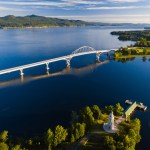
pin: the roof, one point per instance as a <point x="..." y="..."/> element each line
<point x="130" y="109"/>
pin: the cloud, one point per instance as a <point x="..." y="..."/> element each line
<point x="125" y="1"/>
<point x="85" y="2"/>
<point x="116" y="8"/>
<point x="35" y="3"/>
<point x="12" y="9"/>
<point x="61" y="3"/>
<point x="72" y="4"/>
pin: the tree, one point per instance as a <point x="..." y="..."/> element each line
<point x="3" y="146"/>
<point x="4" y="136"/>
<point x="72" y="138"/>
<point x="117" y="54"/>
<point x="96" y="112"/>
<point x="16" y="147"/>
<point x="109" y="108"/>
<point x="60" y="135"/>
<point x="77" y="131"/>
<point x="87" y="116"/>
<point x="118" y="110"/>
<point x="110" y="143"/>
<point x="142" y="43"/>
<point x="49" y="136"/>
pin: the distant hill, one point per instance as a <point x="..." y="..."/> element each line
<point x="11" y="21"/>
<point x="38" y="21"/>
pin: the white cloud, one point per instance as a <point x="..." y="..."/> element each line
<point x="12" y="9"/>
<point x="87" y="2"/>
<point x="117" y="8"/>
<point x="46" y="3"/>
<point x="62" y="3"/>
<point x="125" y="1"/>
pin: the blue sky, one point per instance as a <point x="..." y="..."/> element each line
<point x="132" y="11"/>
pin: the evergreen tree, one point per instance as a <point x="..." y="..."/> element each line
<point x="4" y="136"/>
<point x="3" y="146"/>
<point x="49" y="137"/>
<point x="60" y="135"/>
<point x="96" y="112"/>
<point x="118" y="110"/>
<point x="87" y="116"/>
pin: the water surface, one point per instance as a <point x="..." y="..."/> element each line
<point x="29" y="106"/>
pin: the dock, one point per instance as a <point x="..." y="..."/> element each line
<point x="133" y="106"/>
<point x="138" y="105"/>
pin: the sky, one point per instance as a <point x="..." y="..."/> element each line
<point x="112" y="11"/>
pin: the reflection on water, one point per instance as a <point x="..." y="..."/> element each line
<point x="67" y="71"/>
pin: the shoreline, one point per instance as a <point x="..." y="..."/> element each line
<point x="131" y="56"/>
<point x="44" y="27"/>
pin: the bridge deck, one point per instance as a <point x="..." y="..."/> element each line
<point x="51" y="60"/>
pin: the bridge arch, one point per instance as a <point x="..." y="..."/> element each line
<point x="83" y="49"/>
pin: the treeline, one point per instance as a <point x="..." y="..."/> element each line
<point x="81" y="124"/>
<point x="132" y="35"/>
<point x="37" y="21"/>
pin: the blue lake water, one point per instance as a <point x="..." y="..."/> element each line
<point x="29" y="106"/>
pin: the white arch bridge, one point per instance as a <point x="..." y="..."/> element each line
<point x="81" y="51"/>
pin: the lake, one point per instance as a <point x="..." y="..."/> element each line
<point x="29" y="106"/>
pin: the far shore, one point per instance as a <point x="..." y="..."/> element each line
<point x="43" y="27"/>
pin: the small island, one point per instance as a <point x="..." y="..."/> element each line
<point x="140" y="48"/>
<point x="85" y="132"/>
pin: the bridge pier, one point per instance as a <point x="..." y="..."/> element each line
<point x="47" y="72"/>
<point x="97" y="56"/>
<point x="22" y="78"/>
<point x="68" y="61"/>
<point x="21" y="72"/>
<point x="47" y="66"/>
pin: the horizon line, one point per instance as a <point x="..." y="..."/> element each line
<point x="92" y="21"/>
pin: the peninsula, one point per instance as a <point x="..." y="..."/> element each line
<point x="140" y="48"/>
<point x="132" y="35"/>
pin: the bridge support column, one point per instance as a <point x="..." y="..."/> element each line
<point x="21" y="72"/>
<point x="97" y="56"/>
<point x="47" y="66"/>
<point x="68" y="62"/>
<point x="22" y="78"/>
